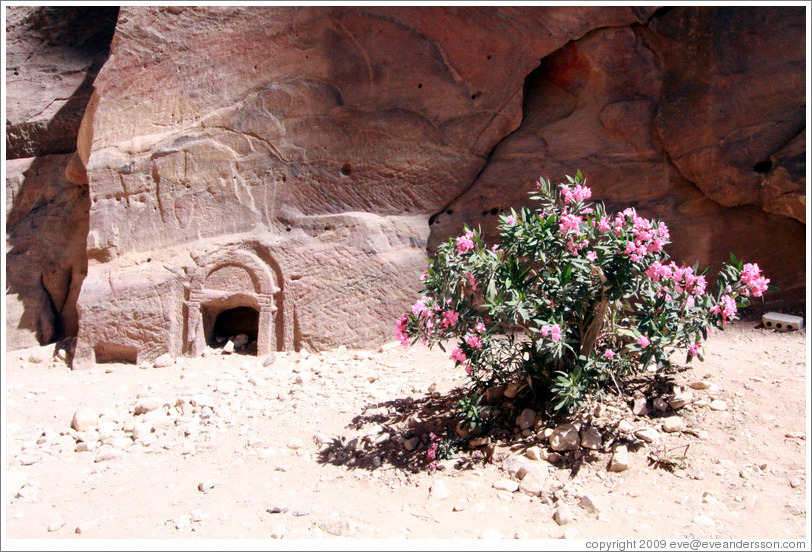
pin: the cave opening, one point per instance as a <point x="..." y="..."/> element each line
<point x="238" y="324"/>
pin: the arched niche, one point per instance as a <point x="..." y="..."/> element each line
<point x="233" y="284"/>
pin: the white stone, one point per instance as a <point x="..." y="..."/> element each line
<point x="700" y="384"/>
<point x="718" y="404"/>
<point x="673" y="424"/>
<point x="648" y="434"/>
<point x="506" y="485"/>
<point x="680" y="399"/>
<point x="620" y="459"/>
<point x="533" y="483"/>
<point x="439" y="490"/>
<point x="562" y="515"/>
<point x="147" y="404"/>
<point x="84" y="419"/>
<point x="534" y="453"/>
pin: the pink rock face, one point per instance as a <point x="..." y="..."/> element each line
<point x="316" y="140"/>
<point x="283" y="171"/>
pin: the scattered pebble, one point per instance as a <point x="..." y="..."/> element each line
<point x="648" y="434"/>
<point x="718" y="404"/>
<point x="562" y="515"/>
<point x="673" y="424"/>
<point x="620" y="459"/>
<point x="84" y="419"/>
<point x="591" y="438"/>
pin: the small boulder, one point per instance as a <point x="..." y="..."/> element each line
<point x="673" y="424"/>
<point x="84" y="419"/>
<point x="526" y="419"/>
<point x="562" y="515"/>
<point x="639" y="408"/>
<point x="620" y="459"/>
<point x="591" y="438"/>
<point x="506" y="485"/>
<point x="164" y="361"/>
<point x="565" y="437"/>
<point x="680" y="399"/>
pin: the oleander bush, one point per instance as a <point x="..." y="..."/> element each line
<point x="571" y="299"/>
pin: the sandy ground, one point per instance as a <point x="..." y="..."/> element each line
<point x="315" y="447"/>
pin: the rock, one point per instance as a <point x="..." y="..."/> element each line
<point x="295" y="443"/>
<point x="84" y="419"/>
<point x="533" y="483"/>
<point x="164" y="361"/>
<point x="673" y="424"/>
<point x="680" y="400"/>
<point x="718" y="404"/>
<point x="41" y="355"/>
<point x="795" y="482"/>
<point x="205" y="486"/>
<point x="534" y="453"/>
<point x="228" y="348"/>
<point x="495" y="393"/>
<point x="565" y="437"/>
<point x="106" y="456"/>
<point x="647" y="434"/>
<point x="660" y="405"/>
<point x="183" y="521"/>
<point x="512" y="390"/>
<point x="147" y="404"/>
<point x="562" y="515"/>
<point x="29" y="459"/>
<point x="625" y="426"/>
<point x="700" y="384"/>
<point x="526" y="419"/>
<point x="620" y="459"/>
<point x="268" y="361"/>
<point x="506" y="485"/>
<point x="240" y="341"/>
<point x="587" y="503"/>
<point x="516" y="466"/>
<point x="591" y="438"/>
<point x="411" y="444"/>
<point x="639" y="407"/>
<point x="439" y="490"/>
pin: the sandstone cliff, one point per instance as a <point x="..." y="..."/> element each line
<point x="300" y="162"/>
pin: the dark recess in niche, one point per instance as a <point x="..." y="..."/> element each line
<point x="346" y="169"/>
<point x="763" y="167"/>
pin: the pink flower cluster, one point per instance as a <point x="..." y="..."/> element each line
<point x="694" y="349"/>
<point x="511" y="220"/>
<point x="726" y="308"/>
<point x="553" y="331"/>
<point x="682" y="277"/>
<point x="754" y="282"/>
<point x="458" y="355"/>
<point x="643" y="341"/>
<point x="569" y="222"/>
<point x="579" y="193"/>
<point x="450" y="318"/>
<point x="645" y="237"/>
<point x="465" y="243"/>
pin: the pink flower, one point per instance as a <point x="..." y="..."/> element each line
<point x="694" y="349"/>
<point x="473" y="341"/>
<point x="480" y="327"/>
<point x="569" y="222"/>
<point x="419" y="307"/>
<point x="464" y="244"/>
<point x="553" y="331"/>
<point x="603" y="224"/>
<point x="450" y="318"/>
<point x="580" y="193"/>
<point x="609" y="353"/>
<point x="423" y="275"/>
<point x="511" y="220"/>
<point x="458" y="355"/>
<point x="726" y="308"/>
<point x="591" y="256"/>
<point x="643" y="341"/>
<point x="495" y="248"/>
<point x="755" y="282"/>
<point x="401" y="327"/>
